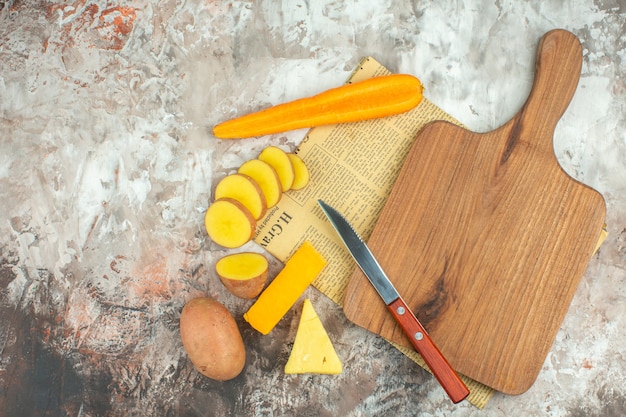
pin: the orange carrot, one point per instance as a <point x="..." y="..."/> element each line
<point x="368" y="99"/>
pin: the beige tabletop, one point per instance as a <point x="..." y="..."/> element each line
<point x="107" y="165"/>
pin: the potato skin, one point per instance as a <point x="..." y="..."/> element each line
<point x="212" y="339"/>
<point x="248" y="289"/>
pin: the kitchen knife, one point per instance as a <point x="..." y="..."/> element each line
<point x="439" y="366"/>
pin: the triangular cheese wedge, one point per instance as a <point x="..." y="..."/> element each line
<point x="312" y="351"/>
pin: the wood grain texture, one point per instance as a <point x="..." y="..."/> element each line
<point x="486" y="237"/>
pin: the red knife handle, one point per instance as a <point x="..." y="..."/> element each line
<point x="439" y="366"/>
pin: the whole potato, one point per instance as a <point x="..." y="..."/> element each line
<point x="212" y="339"/>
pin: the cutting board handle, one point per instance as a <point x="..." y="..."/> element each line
<point x="557" y="71"/>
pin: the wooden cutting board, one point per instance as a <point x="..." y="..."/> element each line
<point x="486" y="237"/>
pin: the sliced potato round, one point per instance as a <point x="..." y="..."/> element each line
<point x="301" y="172"/>
<point x="229" y="223"/>
<point x="267" y="178"/>
<point x="278" y="159"/>
<point x="243" y="274"/>
<point x="244" y="189"/>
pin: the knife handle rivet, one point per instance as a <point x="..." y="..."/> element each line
<point x="419" y="336"/>
<point x="401" y="310"/>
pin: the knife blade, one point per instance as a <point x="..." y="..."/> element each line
<point x="419" y="338"/>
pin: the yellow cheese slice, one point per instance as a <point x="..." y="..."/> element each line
<point x="312" y="351"/>
<point x="282" y="293"/>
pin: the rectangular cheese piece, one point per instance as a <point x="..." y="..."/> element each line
<point x="281" y="294"/>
